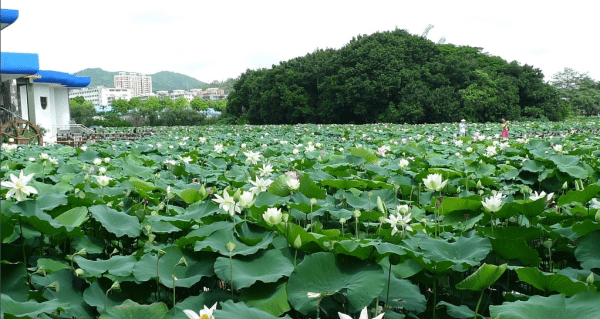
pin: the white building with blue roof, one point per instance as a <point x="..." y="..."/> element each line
<point x="40" y="96"/>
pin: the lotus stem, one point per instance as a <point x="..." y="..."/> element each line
<point x="231" y="272"/>
<point x="478" y="303"/>
<point x="23" y="244"/>
<point x="387" y="299"/>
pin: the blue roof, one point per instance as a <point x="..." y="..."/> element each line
<point x="19" y="63"/>
<point x="8" y="16"/>
<point x="65" y="79"/>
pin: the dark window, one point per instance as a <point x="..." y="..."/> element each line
<point x="44" y="102"/>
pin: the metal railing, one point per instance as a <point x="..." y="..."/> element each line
<point x="8" y="118"/>
<point x="71" y="128"/>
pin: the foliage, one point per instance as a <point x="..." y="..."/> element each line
<point x="394" y="77"/>
<point x="81" y="110"/>
<point x="156" y="239"/>
<point x="581" y="91"/>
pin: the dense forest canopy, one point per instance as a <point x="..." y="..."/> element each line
<point x="394" y="77"/>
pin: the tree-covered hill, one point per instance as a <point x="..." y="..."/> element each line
<point x="394" y="77"/>
<point x="164" y="80"/>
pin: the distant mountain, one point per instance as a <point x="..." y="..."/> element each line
<point x="161" y="81"/>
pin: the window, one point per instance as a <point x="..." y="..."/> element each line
<point x="44" y="102"/>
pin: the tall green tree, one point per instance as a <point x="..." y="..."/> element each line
<point x="120" y="106"/>
<point x="181" y="103"/>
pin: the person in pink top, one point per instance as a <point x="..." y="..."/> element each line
<point x="505" y="128"/>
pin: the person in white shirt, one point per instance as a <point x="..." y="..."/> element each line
<point x="462" y="127"/>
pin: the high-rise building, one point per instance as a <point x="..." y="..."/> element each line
<point x="141" y="84"/>
<point x="102" y="95"/>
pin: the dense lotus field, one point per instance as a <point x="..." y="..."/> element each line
<point x="307" y="221"/>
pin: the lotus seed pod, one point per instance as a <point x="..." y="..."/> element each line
<point x="548" y="243"/>
<point x="78" y="272"/>
<point x="81" y="194"/>
<point x="342" y="220"/>
<point x="54" y="286"/>
<point x="109" y="204"/>
<point x="161" y="253"/>
<point x="182" y="262"/>
<point x="313" y="201"/>
<point x="356" y="213"/>
<point x="115" y="286"/>
<point x="230" y="246"/>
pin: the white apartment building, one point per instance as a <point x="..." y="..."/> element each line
<point x="214" y="91"/>
<point x="102" y="95"/>
<point x="141" y="84"/>
<point x="182" y="93"/>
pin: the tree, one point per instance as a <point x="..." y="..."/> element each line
<point x="153" y="103"/>
<point x="135" y="103"/>
<point x="81" y="110"/>
<point x="581" y="91"/>
<point x="199" y="104"/>
<point x="181" y="103"/>
<point x="120" y="106"/>
<point x="167" y="102"/>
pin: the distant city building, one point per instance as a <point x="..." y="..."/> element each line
<point x="182" y="93"/>
<point x="140" y="83"/>
<point x="145" y="97"/>
<point x="102" y="95"/>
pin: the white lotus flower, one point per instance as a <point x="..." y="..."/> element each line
<point x="309" y="148"/>
<point x="313" y="295"/>
<point x="102" y="170"/>
<point x="252" y="157"/>
<point x="273" y="216"/>
<point x="493" y="203"/>
<point x="18" y="187"/>
<point x="537" y="196"/>
<point x="490" y="151"/>
<point x="44" y="156"/>
<point x="84" y="148"/>
<point x="97" y="161"/>
<point x="202" y="140"/>
<point x="227" y="203"/>
<point x="53" y="160"/>
<point x="382" y="150"/>
<point x="103" y="180"/>
<point x="363" y="315"/>
<point x="246" y="199"/>
<point x="293" y="184"/>
<point x="595" y="204"/>
<point x="260" y="185"/>
<point x="219" y="148"/>
<point x="402" y="209"/>
<point x="206" y="313"/>
<point x="266" y="170"/>
<point x="433" y="182"/>
<point x="186" y="159"/>
<point x="403" y="163"/>
<point x="107" y="160"/>
<point x="469" y="149"/>
<point x="172" y="162"/>
<point x="558" y="148"/>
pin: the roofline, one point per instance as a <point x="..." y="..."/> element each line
<point x="62" y="78"/>
<point x="8" y="17"/>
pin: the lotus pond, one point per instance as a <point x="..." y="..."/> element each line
<point x="307" y="221"/>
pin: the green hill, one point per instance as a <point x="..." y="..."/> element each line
<point x="164" y="80"/>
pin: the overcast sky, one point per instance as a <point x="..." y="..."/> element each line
<point x="216" y="40"/>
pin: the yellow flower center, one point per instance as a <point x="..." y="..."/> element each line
<point x="204" y="316"/>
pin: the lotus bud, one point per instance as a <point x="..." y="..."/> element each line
<point x="565" y="186"/>
<point x="548" y="243"/>
<point x="381" y="205"/>
<point x="590" y="279"/>
<point x="479" y="184"/>
<point x="285" y="217"/>
<point x="297" y="242"/>
<point x="160" y="206"/>
<point x="313" y="201"/>
<point x="458" y="190"/>
<point x="182" y="262"/>
<point x="78" y="272"/>
<point x="81" y="194"/>
<point x="356" y="213"/>
<point x="577" y="186"/>
<point x="86" y="177"/>
<point x="481" y="192"/>
<point x="230" y="246"/>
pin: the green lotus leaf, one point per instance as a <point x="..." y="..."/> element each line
<point x="585" y="227"/>
<point x="121" y="266"/>
<point x="564" y="160"/>
<point x="200" y="265"/>
<point x="550" y="281"/>
<point x="217" y="240"/>
<point x="583" y="305"/>
<point x="116" y="222"/>
<point x="450" y="204"/>
<point x="190" y="195"/>
<point x="533" y="166"/>
<point x="265" y="266"/>
<point x="464" y="252"/>
<point x="310" y="189"/>
<point x="142" y="185"/>
<point x="130" y="310"/>
<point x="457" y="311"/>
<point x="14" y="283"/>
<point x="268" y="297"/>
<point x="574" y="171"/>
<point x="483" y="277"/>
<point x="73" y="217"/>
<point x="51" y="265"/>
<point x="515" y="248"/>
<point x="70" y="292"/>
<point x="95" y="295"/>
<point x="403" y="293"/>
<point x="344" y="184"/>
<point x="240" y="310"/>
<point x="360" y="282"/>
<point x="582" y="196"/>
<point x="270" y="200"/>
<point x="92" y="245"/>
<point x="31" y="308"/>
<point x="588" y="251"/>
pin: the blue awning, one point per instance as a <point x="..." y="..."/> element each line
<point x="19" y="63"/>
<point x="7" y="17"/>
<point x="62" y="78"/>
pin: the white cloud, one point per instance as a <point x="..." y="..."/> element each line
<point x="218" y="40"/>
